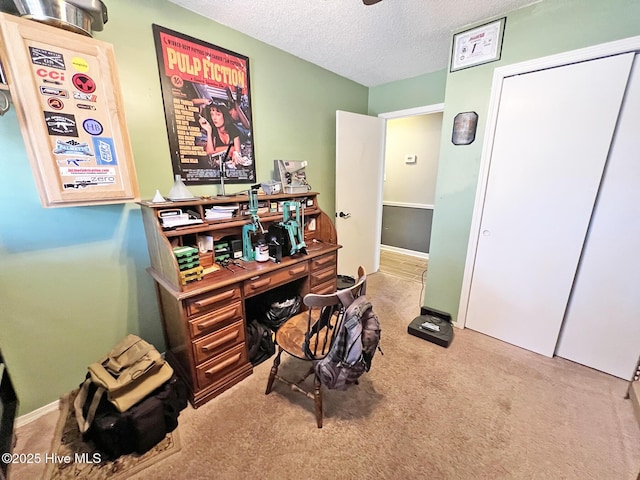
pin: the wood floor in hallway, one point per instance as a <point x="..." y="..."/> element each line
<point x="404" y="266"/>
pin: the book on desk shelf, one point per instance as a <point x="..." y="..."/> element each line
<point x="218" y="212"/>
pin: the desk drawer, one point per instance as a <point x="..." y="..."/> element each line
<point x="322" y="276"/>
<point x="325" y="288"/>
<point x="218" y="367"/>
<point x="215" y="319"/>
<point x="210" y="300"/>
<point x="318" y="263"/>
<point x="265" y="282"/>
<point x="217" y="342"/>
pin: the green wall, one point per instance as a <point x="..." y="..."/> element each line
<point x="73" y="280"/>
<point x="413" y="92"/>
<point x="545" y="28"/>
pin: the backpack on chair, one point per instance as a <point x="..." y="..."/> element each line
<point x="355" y="344"/>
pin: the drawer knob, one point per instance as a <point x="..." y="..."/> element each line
<point x="261" y="283"/>
<point x="221" y="318"/>
<point x="321" y="261"/>
<point x="296" y="271"/>
<point x="220" y="341"/>
<point x="325" y="274"/>
<point x="223" y="365"/>
<point x="215" y="299"/>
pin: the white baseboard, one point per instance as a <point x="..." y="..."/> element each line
<point x="40" y="412"/>
<point x="404" y="251"/>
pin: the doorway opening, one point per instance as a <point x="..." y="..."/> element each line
<point x="412" y="147"/>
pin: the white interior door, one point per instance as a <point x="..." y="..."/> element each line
<point x="551" y="141"/>
<point x="359" y="167"/>
<point x="601" y="327"/>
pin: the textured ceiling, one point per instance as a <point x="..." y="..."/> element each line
<point x="372" y="45"/>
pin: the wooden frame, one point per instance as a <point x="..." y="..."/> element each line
<point x="66" y="93"/>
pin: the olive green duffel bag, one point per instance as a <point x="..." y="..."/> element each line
<point x="128" y="373"/>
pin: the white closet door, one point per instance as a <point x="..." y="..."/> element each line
<point x="602" y="328"/>
<point x="552" y="136"/>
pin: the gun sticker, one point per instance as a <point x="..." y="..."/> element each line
<point x="46" y="58"/>
<point x="71" y="161"/>
<point x="63" y="124"/>
<point x="88" y="176"/>
<point x="72" y="147"/>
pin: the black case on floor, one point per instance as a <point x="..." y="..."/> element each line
<point x="444" y="337"/>
<point x="140" y="427"/>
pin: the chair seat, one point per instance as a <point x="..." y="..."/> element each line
<point x="290" y="335"/>
<point x="322" y="325"/>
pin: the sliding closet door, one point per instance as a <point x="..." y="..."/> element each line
<point x="552" y="138"/>
<point x="602" y="328"/>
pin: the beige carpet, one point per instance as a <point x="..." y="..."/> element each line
<point x="481" y="409"/>
<point x="82" y="461"/>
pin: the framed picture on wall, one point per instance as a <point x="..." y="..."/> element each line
<point x="207" y="103"/>
<point x="478" y="45"/>
<point x="464" y="128"/>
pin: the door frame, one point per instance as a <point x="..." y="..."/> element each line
<point x="627" y="45"/>
<point x="409" y="112"/>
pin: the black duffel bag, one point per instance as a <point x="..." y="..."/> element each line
<point x="142" y="426"/>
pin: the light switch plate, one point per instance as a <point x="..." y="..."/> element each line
<point x="410" y="158"/>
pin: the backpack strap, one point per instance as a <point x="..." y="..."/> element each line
<point x="85" y="422"/>
<point x="323" y="321"/>
<point x="346" y="297"/>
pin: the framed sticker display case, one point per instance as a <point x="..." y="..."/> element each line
<point x="67" y="98"/>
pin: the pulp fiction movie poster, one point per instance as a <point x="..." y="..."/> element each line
<point x="207" y="105"/>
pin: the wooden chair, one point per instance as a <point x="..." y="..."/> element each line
<point x="318" y="324"/>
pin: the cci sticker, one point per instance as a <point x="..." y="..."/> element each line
<point x="105" y="151"/>
<point x="50" y="76"/>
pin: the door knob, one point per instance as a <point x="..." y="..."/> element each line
<point x="343" y="215"/>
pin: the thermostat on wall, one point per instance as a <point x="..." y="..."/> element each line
<point x="410" y="158"/>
